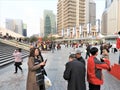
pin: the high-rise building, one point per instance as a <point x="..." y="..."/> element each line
<point x="91" y="16"/>
<point x="111" y="17"/>
<point x="70" y="15"/>
<point x="108" y="3"/>
<point x="49" y="22"/>
<point x="92" y="12"/>
<point x="15" y="25"/>
<point x="10" y="24"/>
<point x="24" y="30"/>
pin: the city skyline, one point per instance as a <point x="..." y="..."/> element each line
<point x="30" y="11"/>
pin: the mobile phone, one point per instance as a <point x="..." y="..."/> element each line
<point x="45" y="60"/>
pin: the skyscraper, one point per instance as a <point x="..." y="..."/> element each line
<point x="111" y="17"/>
<point x="70" y="14"/>
<point x="24" y="30"/>
<point x="92" y="12"/>
<point x="91" y="16"/>
<point x="49" y="22"/>
<point x="108" y="3"/>
<point x="15" y="25"/>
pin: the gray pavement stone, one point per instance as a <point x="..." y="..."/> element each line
<point x="55" y="67"/>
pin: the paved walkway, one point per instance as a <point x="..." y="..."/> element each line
<point x="55" y="68"/>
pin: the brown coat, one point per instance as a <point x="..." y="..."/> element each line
<point x="31" y="79"/>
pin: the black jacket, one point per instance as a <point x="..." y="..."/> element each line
<point x="75" y="75"/>
<point x="81" y="60"/>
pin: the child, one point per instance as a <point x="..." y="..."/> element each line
<point x="105" y="54"/>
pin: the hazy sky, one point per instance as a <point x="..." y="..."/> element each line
<point x="30" y="11"/>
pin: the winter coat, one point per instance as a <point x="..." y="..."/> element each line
<point x="94" y="70"/>
<point x="31" y="79"/>
<point x="75" y="75"/>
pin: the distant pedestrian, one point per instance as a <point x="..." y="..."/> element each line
<point x="94" y="70"/>
<point x="101" y="48"/>
<point x="18" y="60"/>
<point x="75" y="74"/>
<point x="36" y="71"/>
<point x="88" y="46"/>
<point x="114" y="50"/>
<point x="118" y="45"/>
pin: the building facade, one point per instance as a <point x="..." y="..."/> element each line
<point x="15" y="25"/>
<point x="111" y="18"/>
<point x="72" y="17"/>
<point x="49" y="22"/>
<point x="108" y="3"/>
<point x="41" y="27"/>
<point x="91" y="21"/>
<point x="24" y="30"/>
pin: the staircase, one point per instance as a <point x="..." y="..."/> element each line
<point x="15" y="44"/>
<point x="6" y="54"/>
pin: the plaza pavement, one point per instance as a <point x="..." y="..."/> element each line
<point x="55" y="68"/>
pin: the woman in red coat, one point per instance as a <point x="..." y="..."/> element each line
<point x="118" y="45"/>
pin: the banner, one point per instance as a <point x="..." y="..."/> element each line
<point x="88" y="28"/>
<point x="68" y="32"/>
<point x="98" y="25"/>
<point x="62" y="33"/>
<point x="97" y="29"/>
<point x="74" y="31"/>
<point x="80" y="29"/>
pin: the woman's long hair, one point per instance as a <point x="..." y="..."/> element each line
<point x="32" y="53"/>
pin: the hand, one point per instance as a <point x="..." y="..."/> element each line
<point x="42" y="64"/>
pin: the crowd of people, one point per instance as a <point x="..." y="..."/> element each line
<point x="75" y="69"/>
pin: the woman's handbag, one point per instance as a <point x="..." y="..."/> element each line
<point x="47" y="82"/>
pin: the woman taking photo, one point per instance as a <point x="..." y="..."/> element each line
<point x="36" y="71"/>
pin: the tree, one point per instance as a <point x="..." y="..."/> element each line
<point x="33" y="39"/>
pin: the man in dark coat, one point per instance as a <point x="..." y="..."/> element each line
<point x="79" y="57"/>
<point x="75" y="74"/>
